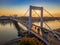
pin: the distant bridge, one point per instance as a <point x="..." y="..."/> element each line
<point x="34" y="19"/>
<point x="37" y="19"/>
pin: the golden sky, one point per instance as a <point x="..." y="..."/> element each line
<point x="20" y="12"/>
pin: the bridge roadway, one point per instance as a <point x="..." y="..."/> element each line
<point x="48" y="36"/>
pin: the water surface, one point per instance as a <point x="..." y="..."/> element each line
<point x="52" y="24"/>
<point x="7" y="32"/>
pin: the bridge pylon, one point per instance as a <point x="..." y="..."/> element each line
<point x="30" y="16"/>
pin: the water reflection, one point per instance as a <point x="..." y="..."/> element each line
<point x="52" y="24"/>
<point x="7" y="31"/>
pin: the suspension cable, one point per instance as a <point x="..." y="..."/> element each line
<point x="36" y="13"/>
<point x="49" y="13"/>
<point x="26" y="12"/>
<point x="49" y="27"/>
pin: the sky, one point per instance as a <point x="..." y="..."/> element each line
<point x="19" y="7"/>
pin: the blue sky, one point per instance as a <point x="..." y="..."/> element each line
<point x="28" y="2"/>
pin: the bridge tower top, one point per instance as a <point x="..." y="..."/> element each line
<point x="30" y="15"/>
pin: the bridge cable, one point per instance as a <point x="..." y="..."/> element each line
<point x="49" y="13"/>
<point x="36" y="13"/>
<point x="48" y="26"/>
<point x="26" y="12"/>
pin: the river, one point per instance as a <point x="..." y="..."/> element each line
<point x="9" y="32"/>
<point x="52" y="24"/>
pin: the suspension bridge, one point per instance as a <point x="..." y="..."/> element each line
<point x="46" y="35"/>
